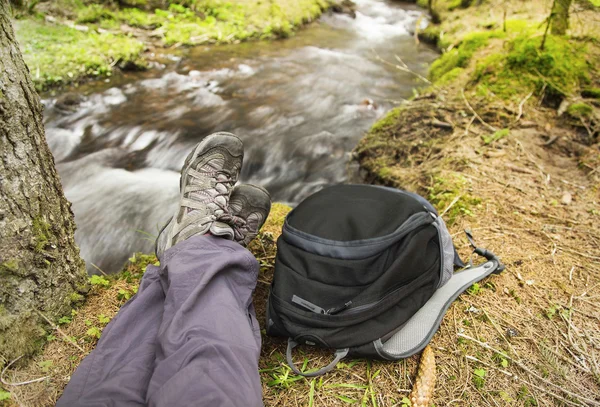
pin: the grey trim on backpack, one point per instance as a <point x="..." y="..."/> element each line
<point x="339" y="355"/>
<point x="353" y="249"/>
<point x="416" y="338"/>
<point x="457" y="260"/>
<point x="447" y="252"/>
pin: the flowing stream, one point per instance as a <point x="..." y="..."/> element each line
<point x="300" y="105"/>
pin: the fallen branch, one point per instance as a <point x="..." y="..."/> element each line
<point x="4" y="382"/>
<point x="441" y="125"/>
<point x="521" y="108"/>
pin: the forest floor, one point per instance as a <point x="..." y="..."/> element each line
<point x="67" y="41"/>
<point x="504" y="141"/>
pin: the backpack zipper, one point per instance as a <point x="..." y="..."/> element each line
<point x="316" y="309"/>
<point x="344" y="309"/>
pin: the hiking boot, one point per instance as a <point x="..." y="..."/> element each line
<point x="249" y="207"/>
<point x="208" y="175"/>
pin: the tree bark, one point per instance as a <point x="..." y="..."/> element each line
<point x="560" y="17"/>
<point x="41" y="272"/>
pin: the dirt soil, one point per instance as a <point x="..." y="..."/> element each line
<point x="527" y="337"/>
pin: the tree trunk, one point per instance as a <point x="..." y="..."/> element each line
<point x="41" y="273"/>
<point x="560" y="17"/>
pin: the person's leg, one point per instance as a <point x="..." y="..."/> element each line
<point x="118" y="370"/>
<point x="209" y="339"/>
<point x="200" y="344"/>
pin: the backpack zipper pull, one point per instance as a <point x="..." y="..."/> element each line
<point x="308" y="305"/>
<point x="333" y="311"/>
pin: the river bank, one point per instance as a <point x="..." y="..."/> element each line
<point x="65" y="42"/>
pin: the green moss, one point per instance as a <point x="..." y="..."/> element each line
<point x="560" y="69"/>
<point x="580" y="110"/>
<point x="76" y="298"/>
<point x="450" y="76"/>
<point x="450" y="193"/>
<point x="431" y="35"/>
<point x="57" y="54"/>
<point x="41" y="234"/>
<point x="592" y="93"/>
<point x="10" y="266"/>
<point x="94" y="14"/>
<point x="460" y="56"/>
<point x="60" y="55"/>
<point x="138" y="18"/>
<point x="389" y="120"/>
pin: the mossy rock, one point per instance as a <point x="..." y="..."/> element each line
<point x="460" y="56"/>
<point x="556" y="71"/>
<point x="430" y="35"/>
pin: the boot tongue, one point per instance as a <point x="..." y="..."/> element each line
<point x="222" y="229"/>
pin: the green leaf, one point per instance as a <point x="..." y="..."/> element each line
<point x="479" y="373"/>
<point x="311" y="394"/>
<point x="99" y="281"/>
<point x="347" y="399"/>
<point x="64" y="320"/>
<point x="346" y="385"/>
<point x="103" y="319"/>
<point x="504" y="363"/>
<point x="94" y="332"/>
<point x="4" y="395"/>
<point x="405" y="402"/>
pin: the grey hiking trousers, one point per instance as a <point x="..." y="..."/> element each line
<point x="189" y="337"/>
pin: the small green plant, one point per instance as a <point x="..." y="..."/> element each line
<point x="123" y="294"/>
<point x="501" y="360"/>
<point x="94" y="332"/>
<point x="479" y="378"/>
<point x="282" y="376"/>
<point x="100" y="281"/>
<point x="64" y="320"/>
<point x="525" y="396"/>
<point x="551" y="312"/>
<point x="103" y="319"/>
<point x="405" y="402"/>
<point x="4" y="395"/>
<point x="474" y="289"/>
<point x="45" y="365"/>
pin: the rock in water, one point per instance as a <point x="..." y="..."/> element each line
<point x="422" y="391"/>
<point x="345" y="7"/>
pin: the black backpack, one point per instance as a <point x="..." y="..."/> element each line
<point x="365" y="270"/>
